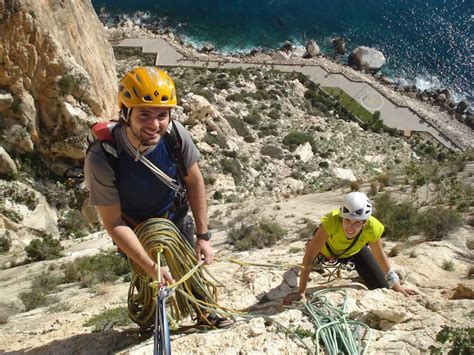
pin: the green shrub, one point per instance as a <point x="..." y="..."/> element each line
<point x="294" y="139"/>
<point x="239" y="125"/>
<point x="72" y="224"/>
<point x="253" y="118"/>
<point x="5" y="243"/>
<point x="237" y="97"/>
<point x="274" y="114"/>
<point x="17" y="106"/>
<point x="20" y="195"/>
<point x="218" y="140"/>
<point x="221" y="84"/>
<point x="218" y="195"/>
<point x="436" y="223"/>
<point x="42" y="285"/>
<point x="33" y="299"/>
<point x="233" y="167"/>
<point x="91" y="270"/>
<point x="461" y="340"/>
<point x="66" y="84"/>
<point x="268" y="130"/>
<point x="400" y="219"/>
<point x="448" y="265"/>
<point x="272" y="151"/>
<point x="261" y="235"/>
<point x="116" y="317"/>
<point x="46" y="248"/>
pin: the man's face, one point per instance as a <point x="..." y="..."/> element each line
<point x="149" y="124"/>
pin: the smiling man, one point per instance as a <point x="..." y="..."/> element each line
<point x="125" y="188"/>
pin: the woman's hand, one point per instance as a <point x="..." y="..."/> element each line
<point x="294" y="296"/>
<point x="404" y="290"/>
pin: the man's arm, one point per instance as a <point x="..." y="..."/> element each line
<point x="196" y="193"/>
<point x="127" y="241"/>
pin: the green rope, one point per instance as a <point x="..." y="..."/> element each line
<point x="334" y="330"/>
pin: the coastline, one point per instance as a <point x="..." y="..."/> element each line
<point x="455" y="131"/>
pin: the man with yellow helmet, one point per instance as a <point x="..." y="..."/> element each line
<point x="127" y="192"/>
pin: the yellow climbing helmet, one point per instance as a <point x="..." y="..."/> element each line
<point x="146" y="86"/>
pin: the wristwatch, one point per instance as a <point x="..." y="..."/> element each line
<point x="204" y="236"/>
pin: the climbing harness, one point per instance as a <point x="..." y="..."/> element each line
<point x="330" y="267"/>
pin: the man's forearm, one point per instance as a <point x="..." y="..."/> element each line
<point x="128" y="242"/>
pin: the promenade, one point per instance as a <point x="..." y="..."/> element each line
<point x="392" y="115"/>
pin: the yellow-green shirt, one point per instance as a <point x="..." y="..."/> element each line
<point x="338" y="241"/>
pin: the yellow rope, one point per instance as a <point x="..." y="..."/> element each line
<point x="194" y="291"/>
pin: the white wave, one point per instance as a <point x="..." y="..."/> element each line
<point x="427" y="83"/>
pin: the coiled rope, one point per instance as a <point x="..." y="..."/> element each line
<point x="338" y="334"/>
<point x="158" y="236"/>
<point x="194" y="292"/>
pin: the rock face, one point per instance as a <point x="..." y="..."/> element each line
<point x="366" y="58"/>
<point x="51" y="52"/>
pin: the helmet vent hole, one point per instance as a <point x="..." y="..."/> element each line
<point x="138" y="78"/>
<point x="164" y="98"/>
<point x="147" y="98"/>
<point x="127" y="94"/>
<point x="135" y="91"/>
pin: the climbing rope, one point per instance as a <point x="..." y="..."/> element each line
<point x="337" y="333"/>
<point x="194" y="292"/>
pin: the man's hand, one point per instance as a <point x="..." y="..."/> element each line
<point x="166" y="277"/>
<point x="405" y="291"/>
<point x="204" y="250"/>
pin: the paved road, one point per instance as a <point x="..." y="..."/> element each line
<point x="392" y="115"/>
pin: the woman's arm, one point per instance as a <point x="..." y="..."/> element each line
<point x="312" y="250"/>
<point x="382" y="260"/>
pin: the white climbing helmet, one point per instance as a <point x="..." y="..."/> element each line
<point x="356" y="206"/>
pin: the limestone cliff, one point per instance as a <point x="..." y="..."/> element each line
<point x="57" y="73"/>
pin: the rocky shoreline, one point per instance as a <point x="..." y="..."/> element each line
<point x="454" y="120"/>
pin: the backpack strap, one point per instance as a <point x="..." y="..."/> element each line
<point x="175" y="142"/>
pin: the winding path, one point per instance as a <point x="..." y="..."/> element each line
<point x="402" y="118"/>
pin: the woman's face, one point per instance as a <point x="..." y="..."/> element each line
<point x="351" y="227"/>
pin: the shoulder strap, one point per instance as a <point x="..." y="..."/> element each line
<point x="175" y="142"/>
<point x="334" y="255"/>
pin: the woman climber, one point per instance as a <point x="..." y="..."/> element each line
<point x="343" y="235"/>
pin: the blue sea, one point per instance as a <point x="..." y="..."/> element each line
<point x="428" y="43"/>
